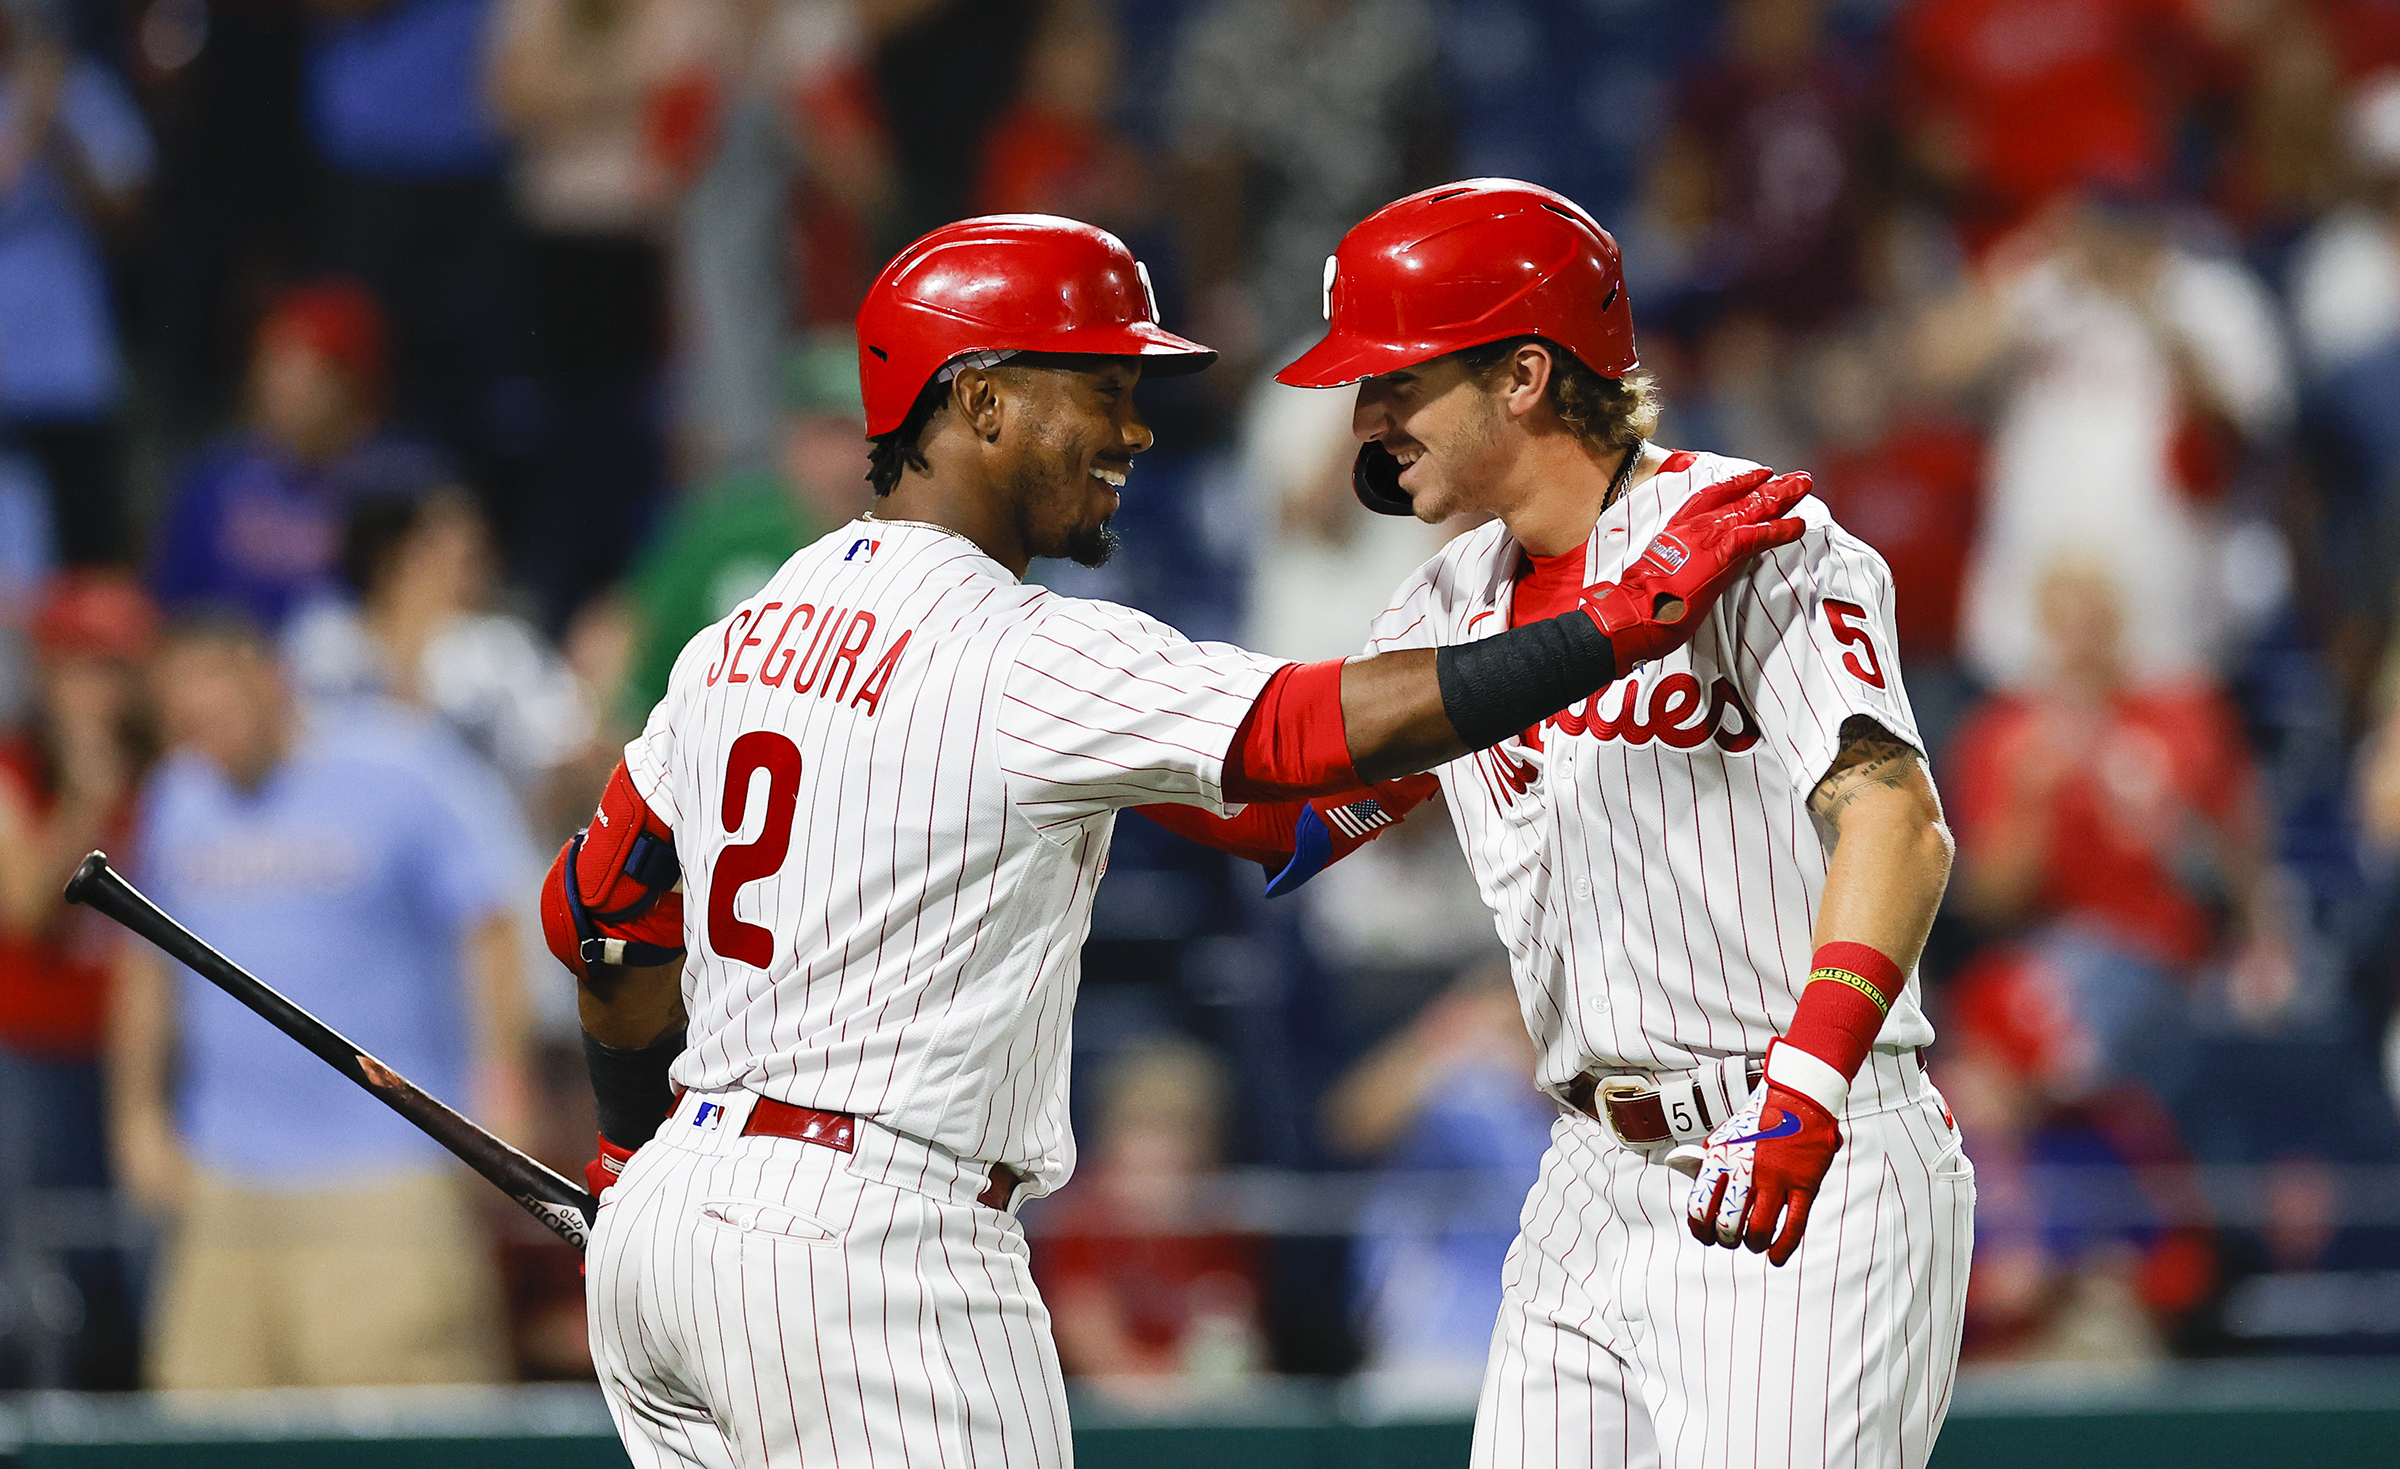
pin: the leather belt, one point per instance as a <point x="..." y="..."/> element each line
<point x="1643" y="1109"/>
<point x="839" y="1131"/>
<point x="1647" y="1108"/>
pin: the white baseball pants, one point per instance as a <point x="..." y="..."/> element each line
<point x="1624" y="1342"/>
<point x="766" y="1303"/>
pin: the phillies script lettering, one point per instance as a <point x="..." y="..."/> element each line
<point x="1663" y="713"/>
<point x="814" y="650"/>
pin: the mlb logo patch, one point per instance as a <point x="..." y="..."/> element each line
<point x="708" y="1116"/>
<point x="862" y="544"/>
<point x="1668" y="552"/>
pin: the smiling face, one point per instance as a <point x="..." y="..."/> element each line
<point x="1067" y="450"/>
<point x="1447" y="429"/>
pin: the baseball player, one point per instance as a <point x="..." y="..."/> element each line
<point x="827" y="916"/>
<point x="1713" y="877"/>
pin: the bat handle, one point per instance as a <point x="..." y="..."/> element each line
<point x="93" y="869"/>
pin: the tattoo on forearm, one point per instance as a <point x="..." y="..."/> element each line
<point x="1872" y="758"/>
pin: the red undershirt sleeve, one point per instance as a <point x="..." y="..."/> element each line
<point x="1263" y="832"/>
<point x="1292" y="744"/>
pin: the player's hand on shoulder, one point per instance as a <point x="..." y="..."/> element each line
<point x="1760" y="1171"/>
<point x="1654" y="607"/>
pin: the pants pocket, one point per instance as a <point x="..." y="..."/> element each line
<point x="757" y="1216"/>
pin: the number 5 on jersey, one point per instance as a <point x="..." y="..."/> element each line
<point x="1848" y="622"/>
<point x="743" y="863"/>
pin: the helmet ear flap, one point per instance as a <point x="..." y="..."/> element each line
<point x="1375" y="478"/>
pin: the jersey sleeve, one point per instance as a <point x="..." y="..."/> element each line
<point x="1104" y="707"/>
<point x="1413" y="620"/>
<point x="1813" y="644"/>
<point x="650" y="755"/>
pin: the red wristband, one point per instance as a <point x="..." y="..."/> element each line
<point x="1850" y="963"/>
<point x="1850" y="990"/>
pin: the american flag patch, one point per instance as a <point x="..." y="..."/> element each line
<point x="1358" y="818"/>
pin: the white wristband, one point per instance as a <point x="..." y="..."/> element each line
<point x="1811" y="1076"/>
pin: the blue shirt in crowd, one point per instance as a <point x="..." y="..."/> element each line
<point x="400" y="93"/>
<point x="250" y="527"/>
<point x="58" y="336"/>
<point x="1427" y="1266"/>
<point x="349" y="881"/>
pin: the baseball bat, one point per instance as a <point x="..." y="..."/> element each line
<point x="539" y="1190"/>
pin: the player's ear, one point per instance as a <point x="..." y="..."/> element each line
<point x="976" y="396"/>
<point x="1528" y="382"/>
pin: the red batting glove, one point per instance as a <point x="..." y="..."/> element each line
<point x="1656" y="605"/>
<point x="600" y="1175"/>
<point x="1765" y="1162"/>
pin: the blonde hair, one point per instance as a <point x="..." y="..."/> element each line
<point x="1607" y="413"/>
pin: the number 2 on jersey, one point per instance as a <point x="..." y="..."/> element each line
<point x="744" y="863"/>
<point x="1845" y="618"/>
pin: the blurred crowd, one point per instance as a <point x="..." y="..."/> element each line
<point x="388" y="388"/>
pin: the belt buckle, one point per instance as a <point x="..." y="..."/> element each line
<point x="1614" y="1090"/>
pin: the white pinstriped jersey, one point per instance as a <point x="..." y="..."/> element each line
<point x="1651" y="864"/>
<point x="893" y="774"/>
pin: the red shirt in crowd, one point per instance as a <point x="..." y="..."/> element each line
<point x="1913" y="495"/>
<point x="1038" y="161"/>
<point x="2363" y="35"/>
<point x="54" y="984"/>
<point x="1783" y="149"/>
<point x="1161" y="1284"/>
<point x="2032" y="98"/>
<point x="2162" y="776"/>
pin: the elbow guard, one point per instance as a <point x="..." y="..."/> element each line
<point x="615" y="893"/>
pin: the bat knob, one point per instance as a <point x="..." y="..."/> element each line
<point x="80" y="885"/>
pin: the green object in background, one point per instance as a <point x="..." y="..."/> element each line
<point x="2241" y="1439"/>
<point x="2226" y="1415"/>
<point x="725" y="539"/>
<point x="338" y="1453"/>
<point x="719" y="546"/>
<point x="1413" y="1446"/>
<point x="820" y="375"/>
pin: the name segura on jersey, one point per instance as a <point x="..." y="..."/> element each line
<point x="1648" y="855"/>
<point x="893" y="774"/>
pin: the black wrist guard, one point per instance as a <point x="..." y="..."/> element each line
<point x="1508" y="683"/>
<point x="632" y="1087"/>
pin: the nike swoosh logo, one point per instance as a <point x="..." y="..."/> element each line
<point x="1789" y="1125"/>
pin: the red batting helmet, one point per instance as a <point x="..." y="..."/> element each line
<point x="1007" y="283"/>
<point x="1466" y="264"/>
